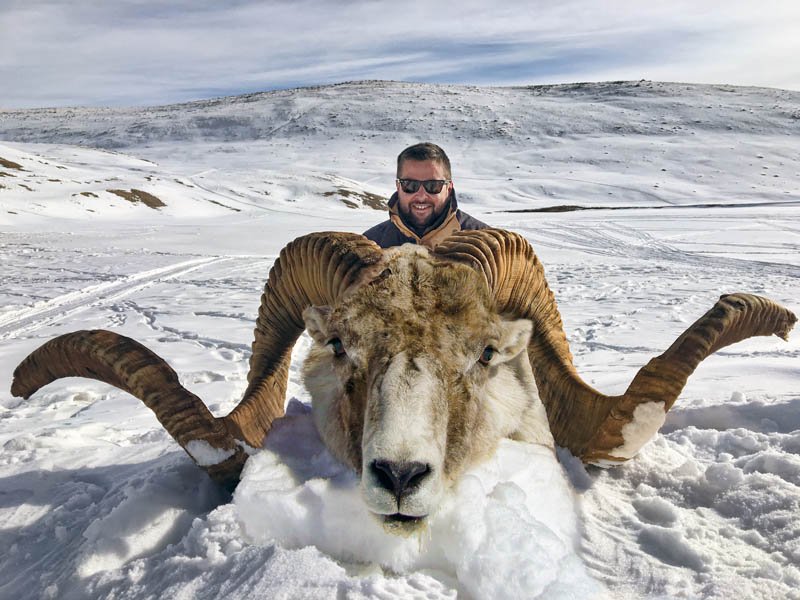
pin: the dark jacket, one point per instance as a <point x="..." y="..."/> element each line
<point x="395" y="231"/>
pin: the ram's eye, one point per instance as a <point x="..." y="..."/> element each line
<point x="487" y="355"/>
<point x="338" y="347"/>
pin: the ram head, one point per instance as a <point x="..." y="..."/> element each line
<point x="422" y="361"/>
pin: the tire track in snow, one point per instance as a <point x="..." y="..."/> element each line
<point x="615" y="239"/>
<point x="16" y="322"/>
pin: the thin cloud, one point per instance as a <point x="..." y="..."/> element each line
<point x="135" y="52"/>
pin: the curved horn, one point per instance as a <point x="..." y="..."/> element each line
<point x="596" y="427"/>
<point x="314" y="269"/>
<point x="129" y="366"/>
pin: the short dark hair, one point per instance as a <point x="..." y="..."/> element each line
<point x="425" y="151"/>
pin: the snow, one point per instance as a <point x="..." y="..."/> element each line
<point x="474" y="539"/>
<point x="693" y="192"/>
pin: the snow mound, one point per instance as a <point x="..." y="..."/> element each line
<point x="509" y="530"/>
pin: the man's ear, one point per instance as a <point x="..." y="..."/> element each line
<point x="514" y="338"/>
<point x="316" y="319"/>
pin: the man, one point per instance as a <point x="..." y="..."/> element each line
<point x="423" y="210"/>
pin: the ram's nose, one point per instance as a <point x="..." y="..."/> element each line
<point x="400" y="478"/>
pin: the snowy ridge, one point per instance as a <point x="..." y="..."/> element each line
<point x="692" y="192"/>
<point x="54" y="182"/>
<point x="691" y="144"/>
<point x="476" y="113"/>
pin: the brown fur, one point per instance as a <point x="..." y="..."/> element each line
<point x="426" y="308"/>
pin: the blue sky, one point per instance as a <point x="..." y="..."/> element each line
<point x="146" y="52"/>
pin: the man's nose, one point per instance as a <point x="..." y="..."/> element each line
<point x="422" y="193"/>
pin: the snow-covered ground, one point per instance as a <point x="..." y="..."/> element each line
<point x="691" y="191"/>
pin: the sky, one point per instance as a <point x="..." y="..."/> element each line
<point x="147" y="52"/>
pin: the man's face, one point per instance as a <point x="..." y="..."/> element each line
<point x="421" y="208"/>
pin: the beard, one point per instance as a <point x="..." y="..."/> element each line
<point x="420" y="219"/>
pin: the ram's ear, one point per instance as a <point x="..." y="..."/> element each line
<point x="514" y="338"/>
<point x="316" y="319"/>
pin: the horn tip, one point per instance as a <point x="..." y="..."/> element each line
<point x="783" y="332"/>
<point x="786" y="326"/>
<point x="18" y="387"/>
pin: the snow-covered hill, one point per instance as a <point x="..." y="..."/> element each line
<point x="643" y="143"/>
<point x="162" y="223"/>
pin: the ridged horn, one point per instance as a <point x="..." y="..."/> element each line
<point x="595" y="427"/>
<point x="315" y="269"/>
<point x="129" y="366"/>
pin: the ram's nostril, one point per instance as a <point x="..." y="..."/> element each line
<point x="399" y="477"/>
<point x="417" y="472"/>
<point x="382" y="471"/>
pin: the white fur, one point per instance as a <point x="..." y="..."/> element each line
<point x="205" y="455"/>
<point x="647" y="420"/>
<point x="513" y="400"/>
<point x="326" y="390"/>
<point x="511" y="396"/>
<point x="404" y="432"/>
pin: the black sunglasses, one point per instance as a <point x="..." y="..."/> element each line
<point x="432" y="186"/>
